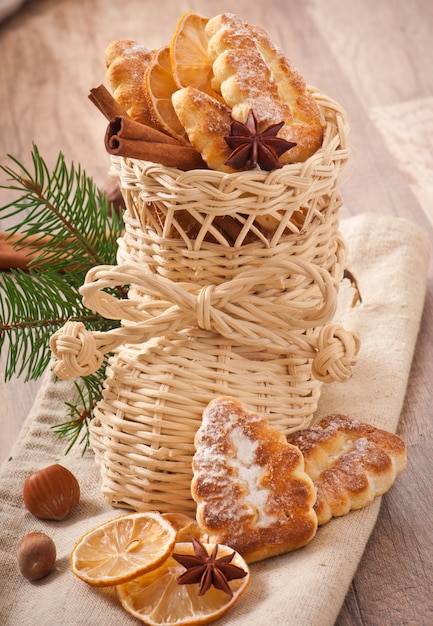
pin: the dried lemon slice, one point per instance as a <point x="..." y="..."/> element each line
<point x="190" y="62"/>
<point x="159" y="86"/>
<point x="157" y="599"/>
<point x="186" y="526"/>
<point x="122" y="549"/>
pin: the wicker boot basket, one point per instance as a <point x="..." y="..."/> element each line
<point x="233" y="283"/>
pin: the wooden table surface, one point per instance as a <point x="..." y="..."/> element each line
<point x="375" y="58"/>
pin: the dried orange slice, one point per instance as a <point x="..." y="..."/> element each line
<point x="122" y="549"/>
<point x="190" y="62"/>
<point x="157" y="599"/>
<point x="185" y="526"/>
<point x="159" y="85"/>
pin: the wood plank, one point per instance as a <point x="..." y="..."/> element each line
<point x="383" y="48"/>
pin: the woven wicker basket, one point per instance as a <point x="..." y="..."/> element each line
<point x="211" y="311"/>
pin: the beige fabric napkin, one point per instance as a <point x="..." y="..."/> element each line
<point x="389" y="258"/>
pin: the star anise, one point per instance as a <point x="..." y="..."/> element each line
<point x="252" y="149"/>
<point x="207" y="570"/>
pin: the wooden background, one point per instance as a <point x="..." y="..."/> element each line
<point x="375" y="57"/>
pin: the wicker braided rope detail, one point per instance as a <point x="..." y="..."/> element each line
<point x="235" y="310"/>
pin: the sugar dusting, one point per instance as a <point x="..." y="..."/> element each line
<point x="250" y="473"/>
<point x="229" y="468"/>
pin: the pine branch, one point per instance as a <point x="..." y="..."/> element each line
<point x="66" y="207"/>
<point x="32" y="307"/>
<point x="71" y="227"/>
<point x="88" y="393"/>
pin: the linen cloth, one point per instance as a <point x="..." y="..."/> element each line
<point x="389" y="258"/>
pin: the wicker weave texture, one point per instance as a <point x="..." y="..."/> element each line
<point x="233" y="283"/>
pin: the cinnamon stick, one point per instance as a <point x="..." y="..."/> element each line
<point x="10" y="257"/>
<point x="17" y="251"/>
<point x="127" y="138"/>
<point x="182" y="157"/>
<point x="104" y="101"/>
<point x="123" y="127"/>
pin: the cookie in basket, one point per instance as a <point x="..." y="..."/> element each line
<point x="126" y="61"/>
<point x="242" y="106"/>
<point x="252" y="73"/>
<point x="350" y="462"/>
<point x="251" y="490"/>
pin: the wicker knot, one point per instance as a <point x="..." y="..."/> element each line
<point x="235" y="309"/>
<point x="337" y="350"/>
<point x="204" y="307"/>
<point x="75" y="351"/>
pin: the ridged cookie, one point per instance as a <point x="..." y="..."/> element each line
<point x="251" y="72"/>
<point x="206" y="121"/>
<point x="250" y="486"/>
<point x="350" y="462"/>
<point x="126" y="61"/>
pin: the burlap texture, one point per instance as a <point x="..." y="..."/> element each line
<point x="389" y="258"/>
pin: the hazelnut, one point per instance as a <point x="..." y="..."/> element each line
<point x="36" y="555"/>
<point x="51" y="493"/>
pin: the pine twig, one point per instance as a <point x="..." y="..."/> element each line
<point x="80" y="413"/>
<point x="67" y="226"/>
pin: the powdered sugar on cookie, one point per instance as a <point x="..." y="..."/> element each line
<point x="350" y="462"/>
<point x="249" y="484"/>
